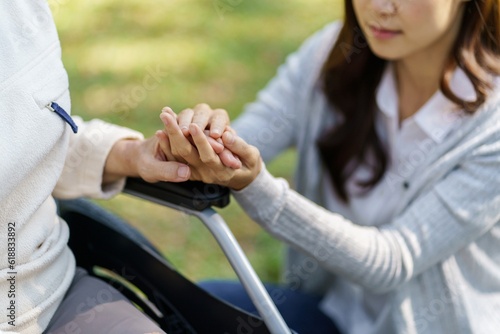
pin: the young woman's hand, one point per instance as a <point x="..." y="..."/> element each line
<point x="205" y="164"/>
<point x="213" y="120"/>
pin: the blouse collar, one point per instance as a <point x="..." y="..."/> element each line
<point x="438" y="116"/>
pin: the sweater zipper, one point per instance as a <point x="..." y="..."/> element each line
<point x="52" y="106"/>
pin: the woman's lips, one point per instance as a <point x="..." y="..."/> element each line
<point x="382" y="33"/>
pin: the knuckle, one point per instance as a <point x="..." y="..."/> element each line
<point x="221" y="113"/>
<point x="175" y="151"/>
<point x="254" y="151"/>
<point x="145" y="171"/>
<point x="186" y="112"/>
<point x="202" y="106"/>
<point x="183" y="151"/>
<point x="210" y="160"/>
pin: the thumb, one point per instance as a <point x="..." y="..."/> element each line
<point x="248" y="154"/>
<point x="169" y="171"/>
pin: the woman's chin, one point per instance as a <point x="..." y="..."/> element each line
<point x="387" y="52"/>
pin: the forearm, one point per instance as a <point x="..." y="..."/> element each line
<point x="87" y="157"/>
<point x="380" y="259"/>
<point x="363" y="254"/>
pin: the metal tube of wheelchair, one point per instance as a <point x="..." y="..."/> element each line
<point x="251" y="282"/>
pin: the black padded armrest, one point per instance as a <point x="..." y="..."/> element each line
<point x="190" y="194"/>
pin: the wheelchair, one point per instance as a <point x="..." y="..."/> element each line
<point x="126" y="260"/>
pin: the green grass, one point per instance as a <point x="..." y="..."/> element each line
<point x="213" y="51"/>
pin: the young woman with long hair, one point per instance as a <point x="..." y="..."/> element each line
<point x="394" y="223"/>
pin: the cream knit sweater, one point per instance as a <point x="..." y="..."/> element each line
<point x="40" y="157"/>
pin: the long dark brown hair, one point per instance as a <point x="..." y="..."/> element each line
<point x="352" y="73"/>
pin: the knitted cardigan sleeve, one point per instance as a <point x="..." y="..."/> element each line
<point x="459" y="208"/>
<point x="87" y="153"/>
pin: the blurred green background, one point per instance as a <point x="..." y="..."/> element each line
<point x="128" y="59"/>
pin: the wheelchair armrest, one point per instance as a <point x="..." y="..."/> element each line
<point x="190" y="194"/>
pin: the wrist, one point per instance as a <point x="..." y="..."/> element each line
<point x="122" y="160"/>
<point x="250" y="175"/>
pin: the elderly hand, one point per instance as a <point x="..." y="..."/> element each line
<point x="145" y="159"/>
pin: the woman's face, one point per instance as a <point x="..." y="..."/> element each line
<point x="397" y="29"/>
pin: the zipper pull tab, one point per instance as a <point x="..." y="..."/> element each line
<point x="52" y="106"/>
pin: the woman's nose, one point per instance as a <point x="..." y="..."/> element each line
<point x="385" y="7"/>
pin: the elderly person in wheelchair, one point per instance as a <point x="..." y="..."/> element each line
<point x="48" y="153"/>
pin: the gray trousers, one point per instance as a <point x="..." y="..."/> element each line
<point x="92" y="306"/>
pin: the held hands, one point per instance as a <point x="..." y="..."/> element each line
<point x="215" y="122"/>
<point x="216" y="156"/>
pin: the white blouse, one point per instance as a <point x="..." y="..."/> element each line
<point x="352" y="308"/>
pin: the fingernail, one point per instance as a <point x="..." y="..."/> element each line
<point x="165" y="109"/>
<point x="183" y="172"/>
<point x="216" y="132"/>
<point x="193" y="129"/>
<point x="184" y="128"/>
<point x="164" y="118"/>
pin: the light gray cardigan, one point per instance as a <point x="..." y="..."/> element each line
<point x="438" y="260"/>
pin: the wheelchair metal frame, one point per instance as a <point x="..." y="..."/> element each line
<point x="196" y="199"/>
